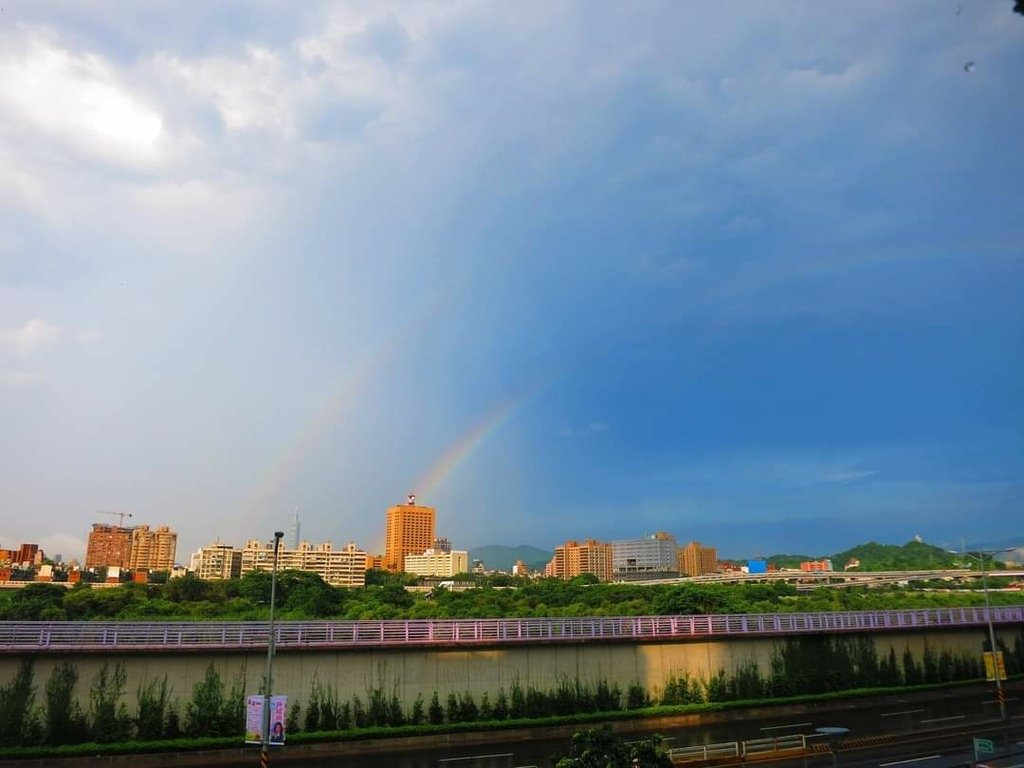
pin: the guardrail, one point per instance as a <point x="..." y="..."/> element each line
<point x="739" y="749"/>
<point x="17" y="636"/>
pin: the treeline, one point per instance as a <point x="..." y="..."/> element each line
<point x="212" y="710"/>
<point x="799" y="666"/>
<point x="305" y="596"/>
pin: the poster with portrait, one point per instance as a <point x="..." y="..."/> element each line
<point x="254" y="718"/>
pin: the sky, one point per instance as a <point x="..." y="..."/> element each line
<point x="746" y="272"/>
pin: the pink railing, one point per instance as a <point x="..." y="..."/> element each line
<point x="19" y="636"/>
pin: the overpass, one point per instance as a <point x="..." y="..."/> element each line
<point x="208" y="636"/>
<point x="815" y="579"/>
<point x="418" y="657"/>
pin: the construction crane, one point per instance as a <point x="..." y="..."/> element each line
<point x="120" y="516"/>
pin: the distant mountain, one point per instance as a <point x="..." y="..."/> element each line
<point x="501" y="558"/>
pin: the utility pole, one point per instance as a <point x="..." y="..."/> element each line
<point x="1000" y="693"/>
<point x="265" y="740"/>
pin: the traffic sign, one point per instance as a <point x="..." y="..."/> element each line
<point x="983" y="747"/>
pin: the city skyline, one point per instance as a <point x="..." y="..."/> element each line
<point x="747" y="273"/>
<point x="645" y="540"/>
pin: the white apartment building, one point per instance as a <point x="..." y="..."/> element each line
<point x="218" y="561"/>
<point x="345" y="567"/>
<point x="435" y="562"/>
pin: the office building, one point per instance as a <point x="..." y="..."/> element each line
<point x="436" y="562"/>
<point x="650" y="557"/>
<point x="409" y="531"/>
<point x="108" y="546"/>
<point x="152" y="550"/>
<point x="695" y="559"/>
<point x="574" y="559"/>
<point x="344" y="567"/>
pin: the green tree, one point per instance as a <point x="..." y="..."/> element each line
<point x="191" y="589"/>
<point x="452" y="713"/>
<point x="435" y="714"/>
<point x="16" y="705"/>
<point x="418" y="714"/>
<point x="38" y="602"/>
<point x="600" y="748"/>
<point x="232" y="714"/>
<point x="153" y="698"/>
<point x="306" y="595"/>
<point x="293" y="718"/>
<point x="204" y="712"/>
<point x="108" y="715"/>
<point x="64" y="722"/>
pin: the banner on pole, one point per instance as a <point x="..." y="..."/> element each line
<point x="254" y="718"/>
<point x="994" y="666"/>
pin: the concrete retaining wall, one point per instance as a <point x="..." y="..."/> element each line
<point x="420" y="671"/>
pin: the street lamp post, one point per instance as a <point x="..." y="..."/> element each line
<point x="265" y="739"/>
<point x="1000" y="695"/>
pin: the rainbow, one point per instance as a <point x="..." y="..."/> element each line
<point x="367" y="368"/>
<point x="465" y="446"/>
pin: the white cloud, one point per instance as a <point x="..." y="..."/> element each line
<point x="78" y="100"/>
<point x="20" y="379"/>
<point x="249" y="93"/>
<point x="33" y="335"/>
<point x="785" y="471"/>
<point x="595" y="427"/>
<point x="849" y="475"/>
<point x="89" y="335"/>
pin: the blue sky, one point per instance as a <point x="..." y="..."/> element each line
<point x="745" y="272"/>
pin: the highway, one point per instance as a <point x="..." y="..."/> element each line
<point x="948" y="719"/>
<point x="852" y="578"/>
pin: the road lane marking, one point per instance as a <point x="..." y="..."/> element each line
<point x="473" y="757"/>
<point x="993" y="701"/>
<point x="944" y="719"/>
<point x="904" y="712"/>
<point x="911" y="760"/>
<point x="791" y="725"/>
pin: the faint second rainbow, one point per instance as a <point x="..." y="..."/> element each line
<point x="364" y="371"/>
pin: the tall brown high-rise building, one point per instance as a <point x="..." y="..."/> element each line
<point x="109" y="545"/>
<point x="573" y="559"/>
<point x="152" y="550"/>
<point x="695" y="559"/>
<point x="410" y="531"/>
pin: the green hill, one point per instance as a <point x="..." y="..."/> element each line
<point x="912" y="556"/>
<point x="788" y="561"/>
<point x="501" y="558"/>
